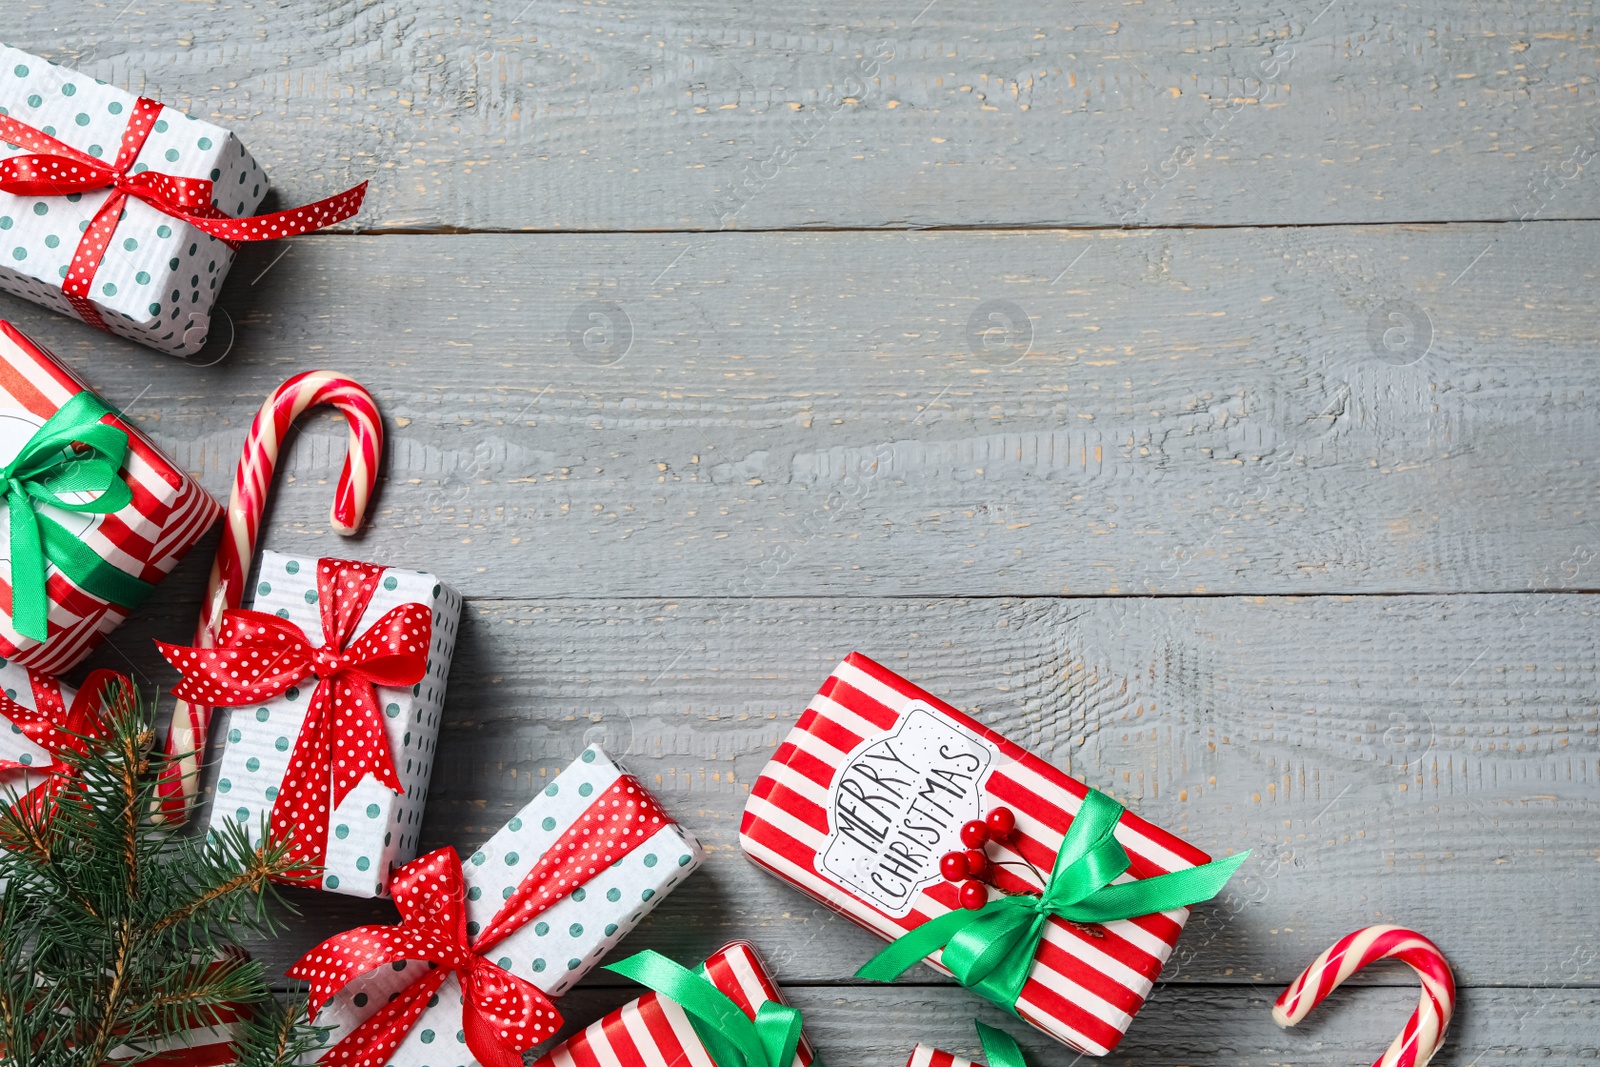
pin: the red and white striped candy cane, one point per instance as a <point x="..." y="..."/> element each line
<point x="186" y="738"/>
<point x="1424" y="1031"/>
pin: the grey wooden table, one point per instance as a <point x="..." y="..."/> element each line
<point x="1225" y="377"/>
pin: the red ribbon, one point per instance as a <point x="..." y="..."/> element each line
<point x="260" y="656"/>
<point x="502" y="1015"/>
<point x="57" y="729"/>
<point x="57" y="169"/>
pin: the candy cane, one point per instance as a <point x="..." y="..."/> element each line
<point x="1424" y="1031"/>
<point x="186" y="738"/>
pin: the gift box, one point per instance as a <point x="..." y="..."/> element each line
<point x="39" y="718"/>
<point x="928" y="1056"/>
<point x="336" y="678"/>
<point x="999" y="1048"/>
<point x="871" y="790"/>
<point x="123" y="212"/>
<point x="655" y="1029"/>
<point x="518" y="923"/>
<point x="98" y="515"/>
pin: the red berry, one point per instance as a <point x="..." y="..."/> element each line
<point x="974" y="895"/>
<point x="977" y="863"/>
<point x="1001" y="823"/>
<point x="975" y="834"/>
<point x="954" y="866"/>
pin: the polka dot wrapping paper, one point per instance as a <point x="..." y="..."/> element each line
<point x="553" y="947"/>
<point x="45" y="697"/>
<point x="159" y="277"/>
<point x="145" y="539"/>
<point x="374" y="829"/>
<point x="870" y="790"/>
<point x="653" y="1031"/>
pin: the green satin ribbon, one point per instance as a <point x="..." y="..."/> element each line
<point x="730" y="1036"/>
<point x="44" y="472"/>
<point x="991" y="951"/>
<point x="999" y="1047"/>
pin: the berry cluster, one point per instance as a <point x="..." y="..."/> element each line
<point x="972" y="867"/>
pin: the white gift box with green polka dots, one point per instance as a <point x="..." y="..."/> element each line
<point x="560" y="945"/>
<point x="374" y="830"/>
<point x="160" y="275"/>
<point x="19" y="684"/>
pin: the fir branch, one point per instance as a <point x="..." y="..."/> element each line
<point x="115" y="933"/>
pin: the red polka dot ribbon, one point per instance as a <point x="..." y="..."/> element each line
<point x="57" y="169"/>
<point x="58" y="729"/>
<point x="260" y="656"/>
<point x="502" y="1015"/>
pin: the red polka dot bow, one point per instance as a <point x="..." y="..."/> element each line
<point x="57" y="169"/>
<point x="502" y="1015"/>
<point x="58" y="729"/>
<point x="260" y="656"/>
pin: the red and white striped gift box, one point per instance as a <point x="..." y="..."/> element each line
<point x="928" y="1056"/>
<point x="205" y="1046"/>
<point x="654" y="1032"/>
<point x="169" y="512"/>
<point x="871" y="788"/>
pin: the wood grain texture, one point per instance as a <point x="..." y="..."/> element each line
<point x="787" y="414"/>
<point x="669" y="114"/>
<point x="1415" y="760"/>
<point x="1260" y="500"/>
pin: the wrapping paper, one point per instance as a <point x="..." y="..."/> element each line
<point x="562" y="943"/>
<point x="160" y="275"/>
<point x="204" y="1046"/>
<point x="374" y="829"/>
<point x="871" y="788"/>
<point x="652" y="1031"/>
<point x="168" y="513"/>
<point x="38" y="693"/>
<point x="928" y="1056"/>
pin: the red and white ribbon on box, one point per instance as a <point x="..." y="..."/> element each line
<point x="58" y="725"/>
<point x="260" y="656"/>
<point x="501" y="1014"/>
<point x="55" y="168"/>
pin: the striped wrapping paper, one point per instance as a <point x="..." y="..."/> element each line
<point x="169" y="512"/>
<point x="654" y="1032"/>
<point x="205" y="1046"/>
<point x="871" y="788"/>
<point x="928" y="1056"/>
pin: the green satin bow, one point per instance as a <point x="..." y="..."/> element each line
<point x="730" y="1036"/>
<point x="991" y="951"/>
<point x="43" y="472"/>
<point x="999" y="1047"/>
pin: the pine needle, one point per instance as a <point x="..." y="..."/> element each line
<point x="118" y="935"/>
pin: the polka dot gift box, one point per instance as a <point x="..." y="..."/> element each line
<point x="40" y="718"/>
<point x="483" y="945"/>
<point x="335" y="679"/>
<point x="122" y="212"/>
<point x="95" y="514"/>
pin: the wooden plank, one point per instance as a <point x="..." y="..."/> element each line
<point x="1181" y="1026"/>
<point x="1417" y="760"/>
<point x="668" y="114"/>
<point x="788" y="414"/>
